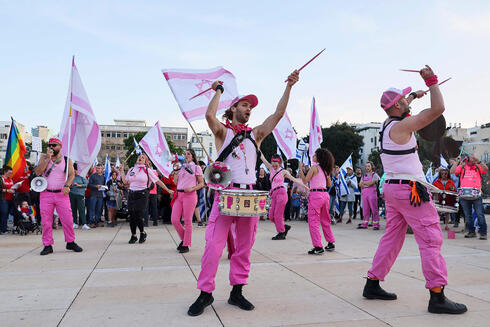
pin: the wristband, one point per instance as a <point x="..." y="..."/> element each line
<point x="431" y="81"/>
<point x="220" y="87"/>
<point x="414" y="94"/>
<point x="66" y="185"/>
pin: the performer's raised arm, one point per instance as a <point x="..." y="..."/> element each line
<point x="214" y="124"/>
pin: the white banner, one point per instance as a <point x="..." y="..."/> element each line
<point x="156" y="147"/>
<point x="286" y="137"/>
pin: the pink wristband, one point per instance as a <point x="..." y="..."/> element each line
<point x="431" y="81"/>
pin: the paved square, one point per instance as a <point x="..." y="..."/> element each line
<point x="112" y="283"/>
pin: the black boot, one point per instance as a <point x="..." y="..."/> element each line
<point x="202" y="302"/>
<point x="47" y="250"/>
<point x="73" y="246"/>
<point x="184" y="249"/>
<point x="280" y="236"/>
<point x="439" y="303"/>
<point x="133" y="239"/>
<point x="372" y="290"/>
<point x="330" y="247"/>
<point x="142" y="237"/>
<point x="180" y="245"/>
<point x="287" y="228"/>
<point x="236" y="298"/>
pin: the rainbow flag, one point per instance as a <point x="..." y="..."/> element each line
<point x="32" y="211"/>
<point x="15" y="156"/>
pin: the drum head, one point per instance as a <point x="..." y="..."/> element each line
<point x="434" y="130"/>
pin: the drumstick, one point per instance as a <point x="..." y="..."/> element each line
<point x="444" y="81"/>
<point x="410" y="70"/>
<point x="319" y="53"/>
<point x="210" y="88"/>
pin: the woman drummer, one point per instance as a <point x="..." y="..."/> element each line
<point x="140" y="179"/>
<point x="189" y="179"/>
<point x="318" y="200"/>
<point x="279" y="194"/>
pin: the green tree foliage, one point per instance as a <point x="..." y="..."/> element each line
<point x="376" y="160"/>
<point x="129" y="146"/>
<point x="342" y="140"/>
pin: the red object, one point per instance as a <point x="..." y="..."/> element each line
<point x="168" y="183"/>
<point x="7" y="184"/>
<point x="200" y="93"/>
<point x="444" y="81"/>
<point x="25" y="187"/>
<point x="250" y="98"/>
<point x="319" y="53"/>
<point x="431" y="81"/>
<point x="450" y="186"/>
<point x="237" y="128"/>
<point x="55" y="140"/>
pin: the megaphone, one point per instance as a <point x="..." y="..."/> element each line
<point x="39" y="184"/>
<point x="217" y="175"/>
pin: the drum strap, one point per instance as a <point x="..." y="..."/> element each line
<point x="235" y="142"/>
<point x="276" y="174"/>
<point x="392" y="152"/>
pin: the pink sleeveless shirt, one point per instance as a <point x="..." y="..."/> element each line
<point x="278" y="180"/>
<point x="400" y="164"/>
<point x="319" y="180"/>
<point x="186" y="179"/>
<point x="57" y="176"/>
<point x="236" y="160"/>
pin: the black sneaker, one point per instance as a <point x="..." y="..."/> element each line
<point x="287" y="228"/>
<point x="143" y="237"/>
<point x="439" y="303"/>
<point x="236" y="298"/>
<point x="470" y="235"/>
<point x="155" y="223"/>
<point x="47" y="250"/>
<point x="74" y="247"/>
<point x="330" y="247"/>
<point x="316" y="250"/>
<point x="372" y="290"/>
<point x="110" y="224"/>
<point x="133" y="239"/>
<point x="200" y="304"/>
<point x="184" y="249"/>
<point x="180" y="245"/>
<point x="279" y="236"/>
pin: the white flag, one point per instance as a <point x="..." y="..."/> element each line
<point x="186" y="83"/>
<point x="428" y="175"/>
<point x="443" y="162"/>
<point x="79" y="131"/>
<point x="286" y="137"/>
<point x="118" y="162"/>
<point x="156" y="147"/>
<point x="316" y="137"/>
<point x="343" y="171"/>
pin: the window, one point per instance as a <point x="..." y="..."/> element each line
<point x="113" y="147"/>
<point x="473" y="133"/>
<point x="194" y="140"/>
<point x="200" y="139"/>
<point x="375" y="141"/>
<point x="107" y="147"/>
<point x="118" y="147"/>
<point x="118" y="134"/>
<point x="125" y="135"/>
<point x="371" y="140"/>
<point x="113" y="134"/>
<point x="3" y="136"/>
<point x="174" y="136"/>
<point x="108" y="135"/>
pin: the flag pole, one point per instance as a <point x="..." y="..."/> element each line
<point x="127" y="158"/>
<point x="199" y="140"/>
<point x="69" y="117"/>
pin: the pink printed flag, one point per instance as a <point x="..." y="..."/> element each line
<point x="316" y="137"/>
<point x="185" y="83"/>
<point x="286" y="137"/>
<point x="156" y="147"/>
<point x="79" y="130"/>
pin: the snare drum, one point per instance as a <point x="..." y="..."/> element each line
<point x="243" y="203"/>
<point x="445" y="201"/>
<point x="469" y="193"/>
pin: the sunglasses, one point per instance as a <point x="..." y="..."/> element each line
<point x="52" y="145"/>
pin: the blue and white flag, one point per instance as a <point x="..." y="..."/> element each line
<point x="443" y="162"/>
<point x="300" y="150"/>
<point x="118" y="162"/>
<point x="107" y="168"/>
<point x="428" y="175"/>
<point x="136" y="147"/>
<point x="344" y="189"/>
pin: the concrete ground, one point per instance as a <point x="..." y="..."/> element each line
<point x="112" y="283"/>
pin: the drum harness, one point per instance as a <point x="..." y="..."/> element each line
<point x="272" y="179"/>
<point x="418" y="192"/>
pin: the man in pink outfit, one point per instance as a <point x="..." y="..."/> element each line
<point x="54" y="167"/>
<point x="403" y="168"/>
<point x="238" y="147"/>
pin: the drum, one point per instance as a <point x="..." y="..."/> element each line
<point x="445" y="201"/>
<point x="469" y="193"/>
<point x="243" y="203"/>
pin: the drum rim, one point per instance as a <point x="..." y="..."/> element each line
<point x="243" y="192"/>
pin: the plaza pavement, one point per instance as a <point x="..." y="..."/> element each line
<point x="112" y="283"/>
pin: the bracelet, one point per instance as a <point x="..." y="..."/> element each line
<point x="414" y="94"/>
<point x="431" y="81"/>
<point x="66" y="185"/>
<point x="220" y="87"/>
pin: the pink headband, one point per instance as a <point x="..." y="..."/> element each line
<point x="276" y="160"/>
<point x="55" y="140"/>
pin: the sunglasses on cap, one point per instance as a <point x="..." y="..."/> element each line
<point x="53" y="145"/>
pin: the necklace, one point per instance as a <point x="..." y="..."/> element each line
<point x="242" y="148"/>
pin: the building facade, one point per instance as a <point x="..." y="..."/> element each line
<point x="475" y="139"/>
<point x="113" y="137"/>
<point x="207" y="140"/>
<point x="370" y="134"/>
<point x="42" y="132"/>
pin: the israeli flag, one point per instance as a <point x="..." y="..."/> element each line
<point x="428" y="175"/>
<point x="136" y="147"/>
<point x="107" y="168"/>
<point x="344" y="190"/>
<point x="443" y="162"/>
<point x="118" y="162"/>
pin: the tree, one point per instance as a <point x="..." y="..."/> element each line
<point x="375" y="158"/>
<point x="129" y="146"/>
<point x="342" y="140"/>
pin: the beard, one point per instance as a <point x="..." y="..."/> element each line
<point x="241" y="118"/>
<point x="55" y="152"/>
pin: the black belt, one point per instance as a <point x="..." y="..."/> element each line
<point x="181" y="191"/>
<point x="276" y="188"/>
<point x="243" y="186"/>
<point x="54" y="191"/>
<point x="318" y="190"/>
<point x="397" y="181"/>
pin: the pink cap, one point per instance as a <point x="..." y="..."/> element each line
<point x="250" y="98"/>
<point x="55" y="140"/>
<point x="392" y="95"/>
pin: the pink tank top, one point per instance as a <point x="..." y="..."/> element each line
<point x="187" y="179"/>
<point x="278" y="180"/>
<point x="236" y="160"/>
<point x="57" y="176"/>
<point x="319" y="180"/>
<point x="400" y="164"/>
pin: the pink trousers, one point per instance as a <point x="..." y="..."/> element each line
<point x="370" y="206"/>
<point x="216" y="236"/>
<point x="184" y="206"/>
<point x="318" y="205"/>
<point x="424" y="221"/>
<point x="276" y="211"/>
<point x="48" y="202"/>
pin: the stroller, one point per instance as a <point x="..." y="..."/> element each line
<point x="23" y="225"/>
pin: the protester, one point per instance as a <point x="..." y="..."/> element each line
<point x="6" y="198"/>
<point x="358" y="201"/>
<point x="348" y="198"/>
<point x="445" y="184"/>
<point x="296" y="204"/>
<point x="333" y="191"/>
<point x="165" y="207"/>
<point x="263" y="182"/>
<point x="77" y="200"/>
<point x="114" y="189"/>
<point x="55" y="167"/>
<point x="96" y="184"/>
